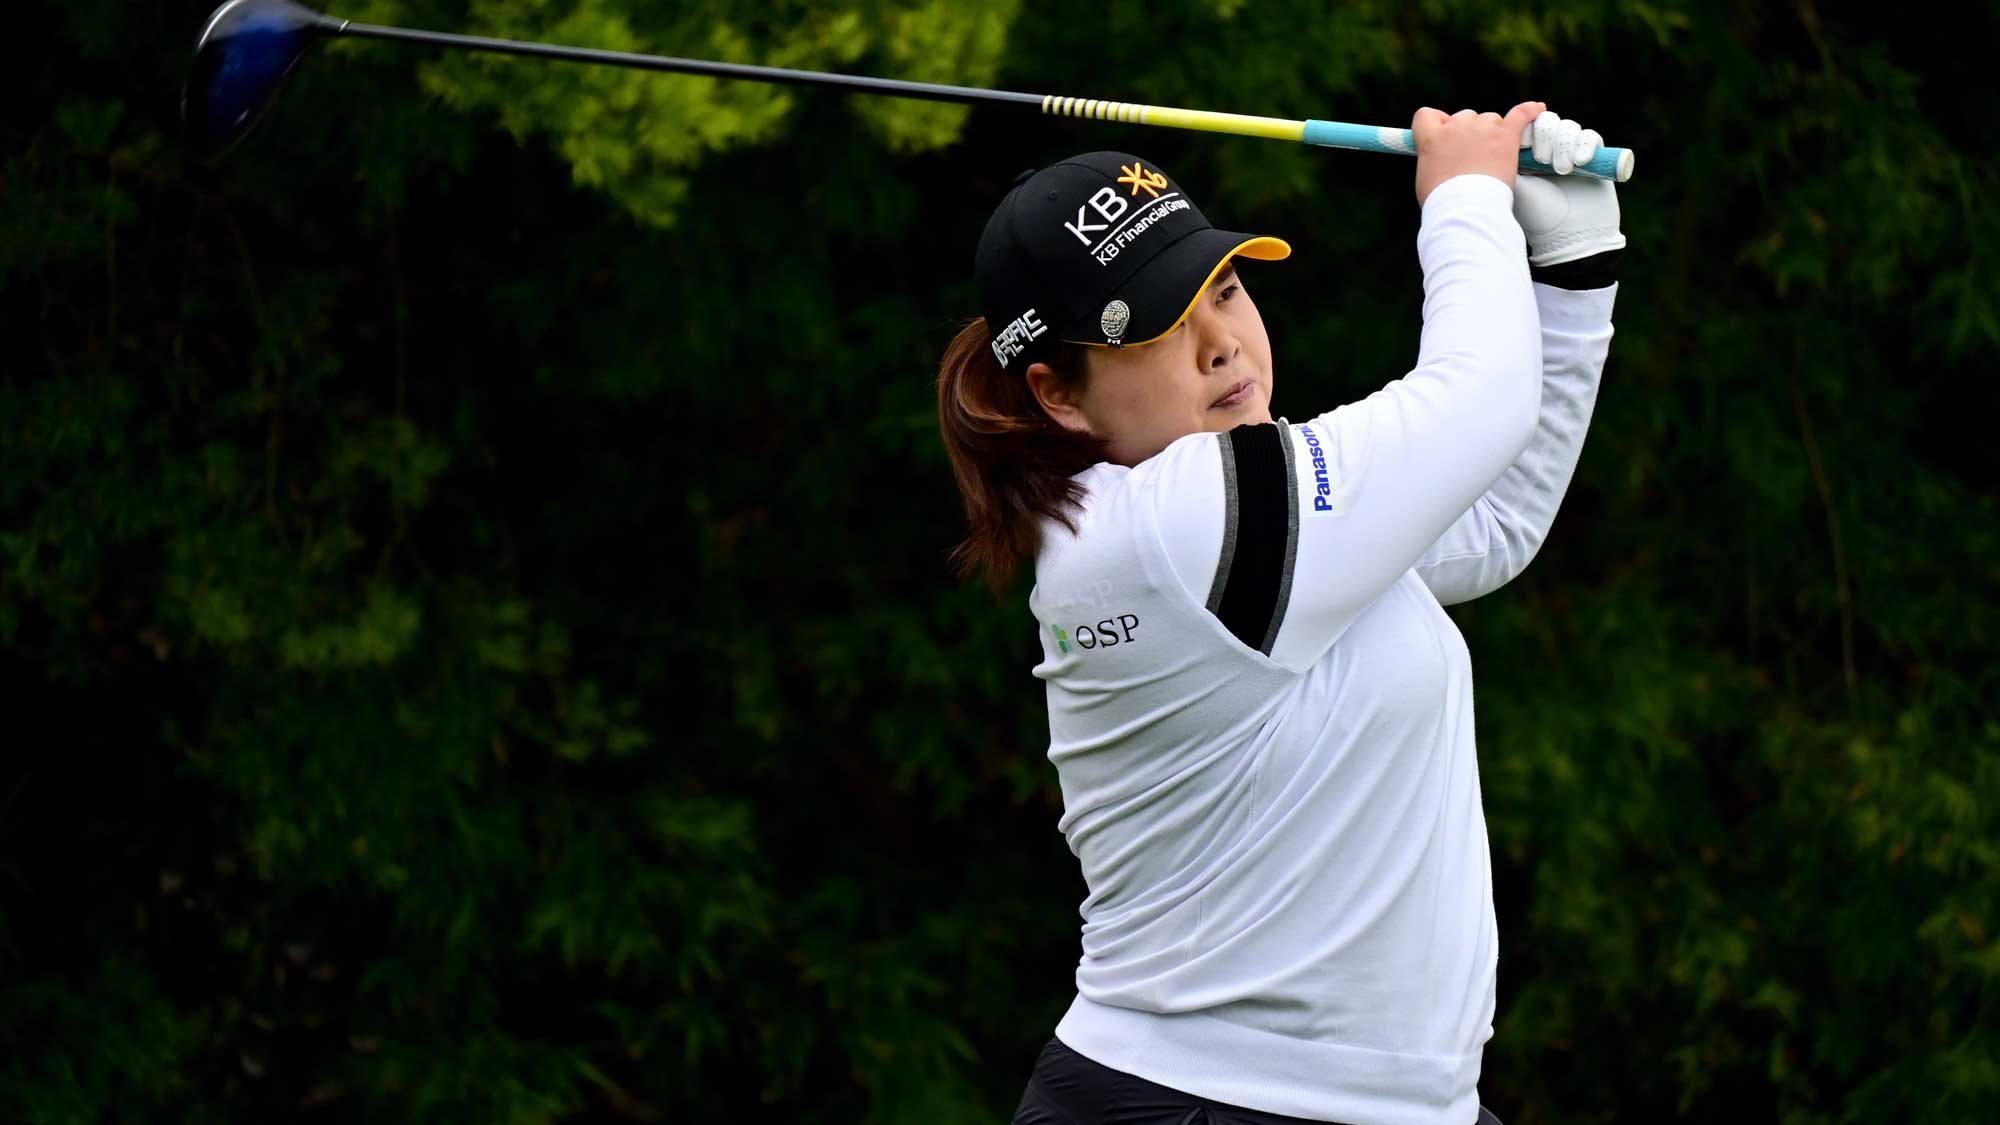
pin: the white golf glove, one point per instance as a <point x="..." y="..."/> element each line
<point x="1566" y="218"/>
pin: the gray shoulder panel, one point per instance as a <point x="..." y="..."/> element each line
<point x="1228" y="524"/>
<point x="1291" y="536"/>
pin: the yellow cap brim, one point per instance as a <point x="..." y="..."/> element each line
<point x="1262" y="248"/>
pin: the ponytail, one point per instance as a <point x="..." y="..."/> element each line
<point x="1013" y="462"/>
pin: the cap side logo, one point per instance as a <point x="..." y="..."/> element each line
<point x="1138" y="177"/>
<point x="1014" y="339"/>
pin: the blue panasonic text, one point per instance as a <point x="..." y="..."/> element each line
<point x="1322" y="481"/>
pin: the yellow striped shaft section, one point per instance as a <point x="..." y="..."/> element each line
<point x="1208" y="121"/>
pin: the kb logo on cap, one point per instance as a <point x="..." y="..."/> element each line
<point x="1110" y="206"/>
<point x="1123" y="223"/>
<point x="1138" y="177"/>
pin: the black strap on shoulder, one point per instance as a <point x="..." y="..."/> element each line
<point x="1253" y="578"/>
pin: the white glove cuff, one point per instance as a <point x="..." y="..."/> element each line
<point x="1569" y="245"/>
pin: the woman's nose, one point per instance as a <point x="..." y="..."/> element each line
<point x="1220" y="347"/>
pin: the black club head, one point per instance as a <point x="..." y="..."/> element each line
<point x="242" y="57"/>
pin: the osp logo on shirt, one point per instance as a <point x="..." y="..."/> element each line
<point x="1108" y="633"/>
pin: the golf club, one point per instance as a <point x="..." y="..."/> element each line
<point x="249" y="46"/>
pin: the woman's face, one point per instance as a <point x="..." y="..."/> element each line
<point x="1212" y="373"/>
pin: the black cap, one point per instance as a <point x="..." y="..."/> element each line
<point x="1100" y="249"/>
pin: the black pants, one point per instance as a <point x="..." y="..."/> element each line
<point x="1068" y="1089"/>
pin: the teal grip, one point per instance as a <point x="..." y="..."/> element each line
<point x="1609" y="164"/>
<point x="1361" y="138"/>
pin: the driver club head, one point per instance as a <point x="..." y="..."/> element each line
<point x="240" y="60"/>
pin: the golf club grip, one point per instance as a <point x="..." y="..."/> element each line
<point x="1609" y="163"/>
<point x="1613" y="164"/>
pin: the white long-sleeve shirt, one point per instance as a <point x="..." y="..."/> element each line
<point x="1261" y="716"/>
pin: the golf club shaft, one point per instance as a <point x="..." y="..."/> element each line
<point x="1609" y="163"/>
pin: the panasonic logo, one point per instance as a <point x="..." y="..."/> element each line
<point x="1324" y="501"/>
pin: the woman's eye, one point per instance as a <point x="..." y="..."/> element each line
<point x="1227" y="293"/>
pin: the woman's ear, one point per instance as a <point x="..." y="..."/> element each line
<point x="1059" y="399"/>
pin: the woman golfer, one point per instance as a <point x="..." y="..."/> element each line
<point x="1259" y="712"/>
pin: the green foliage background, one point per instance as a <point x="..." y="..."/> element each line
<point x="472" y="572"/>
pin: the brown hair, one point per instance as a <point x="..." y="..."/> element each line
<point x="1013" y="462"/>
